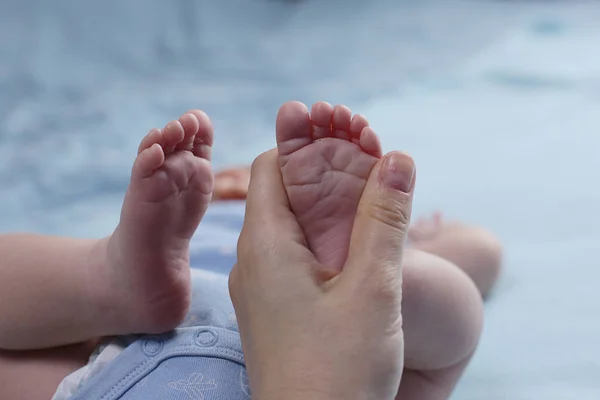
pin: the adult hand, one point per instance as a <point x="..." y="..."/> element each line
<point x="305" y="332"/>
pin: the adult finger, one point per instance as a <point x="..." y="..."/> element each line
<point x="269" y="225"/>
<point x="381" y="223"/>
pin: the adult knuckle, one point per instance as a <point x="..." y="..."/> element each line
<point x="394" y="213"/>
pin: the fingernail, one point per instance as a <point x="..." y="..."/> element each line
<point x="398" y="172"/>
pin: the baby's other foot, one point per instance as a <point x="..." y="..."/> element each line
<point x="170" y="189"/>
<point x="426" y="228"/>
<point x="475" y="250"/>
<point x="325" y="158"/>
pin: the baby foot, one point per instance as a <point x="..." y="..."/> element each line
<point x="426" y="228"/>
<point x="170" y="189"/>
<point x="325" y="159"/>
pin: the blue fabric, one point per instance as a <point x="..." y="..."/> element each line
<point x="197" y="363"/>
<point x="203" y="358"/>
<point x="213" y="247"/>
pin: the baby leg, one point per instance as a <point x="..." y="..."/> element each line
<point x="47" y="368"/>
<point x="61" y="291"/>
<point x="443" y="315"/>
<point x="326" y="156"/>
<point x="473" y="249"/>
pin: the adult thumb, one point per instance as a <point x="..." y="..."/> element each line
<point x="381" y="224"/>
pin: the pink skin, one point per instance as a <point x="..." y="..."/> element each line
<point x="425" y="228"/>
<point x="170" y="189"/>
<point x="475" y="250"/>
<point x="136" y="280"/>
<point x="231" y="184"/>
<point x="325" y="157"/>
<point x="142" y="270"/>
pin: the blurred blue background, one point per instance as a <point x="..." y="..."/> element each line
<point x="498" y="102"/>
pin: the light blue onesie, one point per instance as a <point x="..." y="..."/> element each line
<point x="202" y="359"/>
